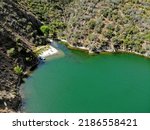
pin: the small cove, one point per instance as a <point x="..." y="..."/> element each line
<point x="78" y="82"/>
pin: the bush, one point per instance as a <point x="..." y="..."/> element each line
<point x="109" y="34"/>
<point x="92" y="24"/>
<point x="11" y="52"/>
<point x="147" y="36"/>
<point x="18" y="70"/>
<point x="91" y="37"/>
<point x="45" y="29"/>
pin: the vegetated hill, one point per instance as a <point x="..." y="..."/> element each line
<point x="99" y="25"/>
<point x="113" y="25"/>
<point x="19" y="32"/>
<point x="50" y="12"/>
<point x="46" y="10"/>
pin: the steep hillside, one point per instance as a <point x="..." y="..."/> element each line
<point x="50" y="12"/>
<point x="109" y="25"/>
<point x="98" y="25"/>
<point x="46" y="10"/>
<point x="19" y="33"/>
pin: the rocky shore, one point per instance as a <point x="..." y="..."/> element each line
<point x="105" y="50"/>
<point x="90" y="51"/>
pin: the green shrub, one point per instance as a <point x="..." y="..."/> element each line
<point x="11" y="52"/>
<point x="92" y="24"/>
<point x="109" y="34"/>
<point x="18" y="70"/>
<point x="45" y="29"/>
<point x="147" y="36"/>
<point x="91" y="37"/>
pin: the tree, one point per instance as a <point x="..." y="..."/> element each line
<point x="45" y="29"/>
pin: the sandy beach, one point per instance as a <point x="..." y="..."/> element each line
<point x="49" y="52"/>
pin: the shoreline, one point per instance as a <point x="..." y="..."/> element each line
<point x="41" y="57"/>
<point x="86" y="49"/>
<point x="52" y="51"/>
<point x="19" y="96"/>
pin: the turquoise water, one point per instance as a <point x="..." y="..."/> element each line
<point x="77" y="82"/>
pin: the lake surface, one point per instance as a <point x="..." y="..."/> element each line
<point x="77" y="82"/>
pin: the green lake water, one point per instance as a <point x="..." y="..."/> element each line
<point x="76" y="82"/>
